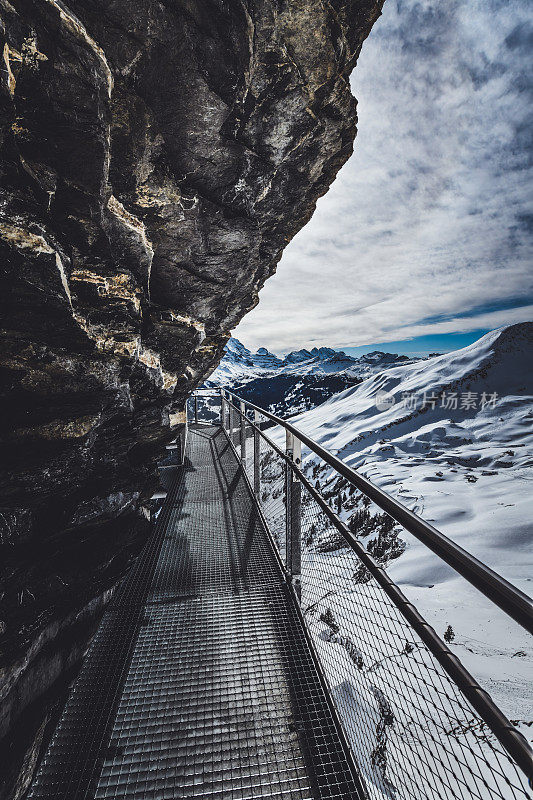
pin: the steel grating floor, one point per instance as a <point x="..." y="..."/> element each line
<point x="200" y="682"/>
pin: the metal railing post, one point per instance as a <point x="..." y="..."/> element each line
<point x="293" y="513"/>
<point x="196" y="409"/>
<point x="257" y="456"/>
<point x="222" y="410"/>
<point x="243" y="432"/>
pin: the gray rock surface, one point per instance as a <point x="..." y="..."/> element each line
<point x="156" y="159"/>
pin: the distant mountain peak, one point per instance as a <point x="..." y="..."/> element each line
<point x="298" y="355"/>
<point x="240" y="366"/>
<point x="320" y="353"/>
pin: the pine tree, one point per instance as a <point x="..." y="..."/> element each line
<point x="311" y="535"/>
<point x="328" y="617"/>
<point x="449" y="634"/>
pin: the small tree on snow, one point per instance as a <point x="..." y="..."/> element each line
<point x="328" y="617"/>
<point x="311" y="535"/>
<point x="361" y="574"/>
<point x="449" y="634"/>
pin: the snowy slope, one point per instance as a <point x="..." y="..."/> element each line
<point x="468" y="470"/>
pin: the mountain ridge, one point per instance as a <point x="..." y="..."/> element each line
<point x="240" y="365"/>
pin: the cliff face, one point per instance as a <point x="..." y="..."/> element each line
<point x="156" y="159"/>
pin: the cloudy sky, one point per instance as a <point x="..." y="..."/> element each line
<point x="427" y="229"/>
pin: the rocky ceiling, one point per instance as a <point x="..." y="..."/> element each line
<point x="156" y="159"/>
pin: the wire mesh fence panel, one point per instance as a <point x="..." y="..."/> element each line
<point x="189" y="410"/>
<point x="209" y="409"/>
<point x="228" y="418"/>
<point x="235" y="430"/>
<point x="412" y="732"/>
<point x="249" y="459"/>
<point x="224" y="416"/>
<point x="204" y="408"/>
<point x="272" y="494"/>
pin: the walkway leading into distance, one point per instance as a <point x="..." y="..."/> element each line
<point x="200" y="682"/>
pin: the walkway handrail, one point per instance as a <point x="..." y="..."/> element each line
<point x="477" y="573"/>
<point x="496" y="588"/>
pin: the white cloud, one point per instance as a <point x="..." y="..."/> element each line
<point x="428" y="218"/>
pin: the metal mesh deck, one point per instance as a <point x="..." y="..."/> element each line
<point x="200" y="682"/>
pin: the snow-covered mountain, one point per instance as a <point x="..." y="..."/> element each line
<point x="240" y="365"/>
<point x="452" y="437"/>
<point x="301" y="380"/>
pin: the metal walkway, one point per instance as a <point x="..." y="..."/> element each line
<point x="200" y="682"/>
